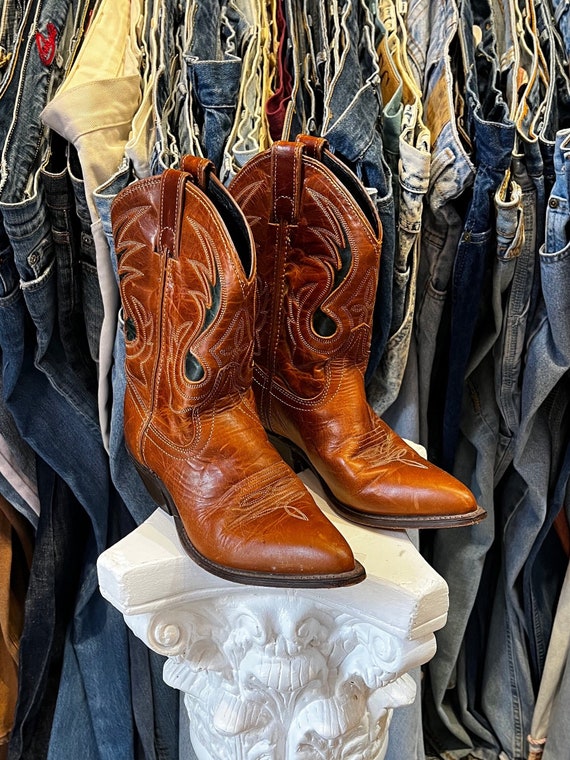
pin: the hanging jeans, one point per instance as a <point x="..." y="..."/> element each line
<point x="493" y="137"/>
<point x="461" y="556"/>
<point x="352" y="109"/>
<point x="451" y="176"/>
<point x="213" y="82"/>
<point x="543" y="436"/>
<point x="72" y="291"/>
<point x="385" y="384"/>
<point x="40" y="390"/>
<point x="60" y="543"/>
<point x="549" y="730"/>
<point x="168" y="84"/>
<point x="509" y="350"/>
<point x="72" y="449"/>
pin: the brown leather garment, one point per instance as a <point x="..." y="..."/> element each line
<point x="187" y="280"/>
<point x="318" y="240"/>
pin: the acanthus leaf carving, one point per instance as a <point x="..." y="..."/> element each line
<point x="263" y="680"/>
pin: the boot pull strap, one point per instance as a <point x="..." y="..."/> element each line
<point x="198" y="168"/>
<point x="286" y="180"/>
<point x="314" y="146"/>
<point x="171" y="209"/>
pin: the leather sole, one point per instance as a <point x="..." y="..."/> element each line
<point x="300" y="460"/>
<point x="161" y="496"/>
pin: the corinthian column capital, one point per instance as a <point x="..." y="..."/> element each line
<point x="277" y="674"/>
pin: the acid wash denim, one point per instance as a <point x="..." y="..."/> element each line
<point x="418" y="23"/>
<point x="352" y="111"/>
<point x="407" y="154"/>
<point x="392" y="87"/>
<point x="384" y="385"/>
<point x="408" y="158"/>
<point x="214" y="74"/>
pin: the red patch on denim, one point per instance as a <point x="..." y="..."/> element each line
<point x="46" y="44"/>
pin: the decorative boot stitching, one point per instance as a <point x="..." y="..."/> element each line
<point x="380" y="448"/>
<point x="265" y="494"/>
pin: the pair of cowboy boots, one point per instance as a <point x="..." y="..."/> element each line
<point x="248" y="312"/>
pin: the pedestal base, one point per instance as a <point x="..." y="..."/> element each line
<point x="282" y="674"/>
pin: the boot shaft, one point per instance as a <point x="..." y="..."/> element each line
<point x="186" y="268"/>
<point x="318" y="240"/>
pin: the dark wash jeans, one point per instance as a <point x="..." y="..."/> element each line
<point x="61" y="537"/>
<point x="493" y="138"/>
<point x="72" y="296"/>
<point x="75" y="451"/>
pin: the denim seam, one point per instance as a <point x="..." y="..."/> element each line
<point x="516" y="702"/>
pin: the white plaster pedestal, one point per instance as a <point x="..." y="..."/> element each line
<point x="282" y="674"/>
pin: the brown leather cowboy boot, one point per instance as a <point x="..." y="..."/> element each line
<point x="187" y="280"/>
<point x="318" y="240"/>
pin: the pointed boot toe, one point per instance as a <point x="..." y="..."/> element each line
<point x="408" y="492"/>
<point x="278" y="529"/>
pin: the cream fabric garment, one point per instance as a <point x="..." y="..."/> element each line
<point x="94" y="109"/>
